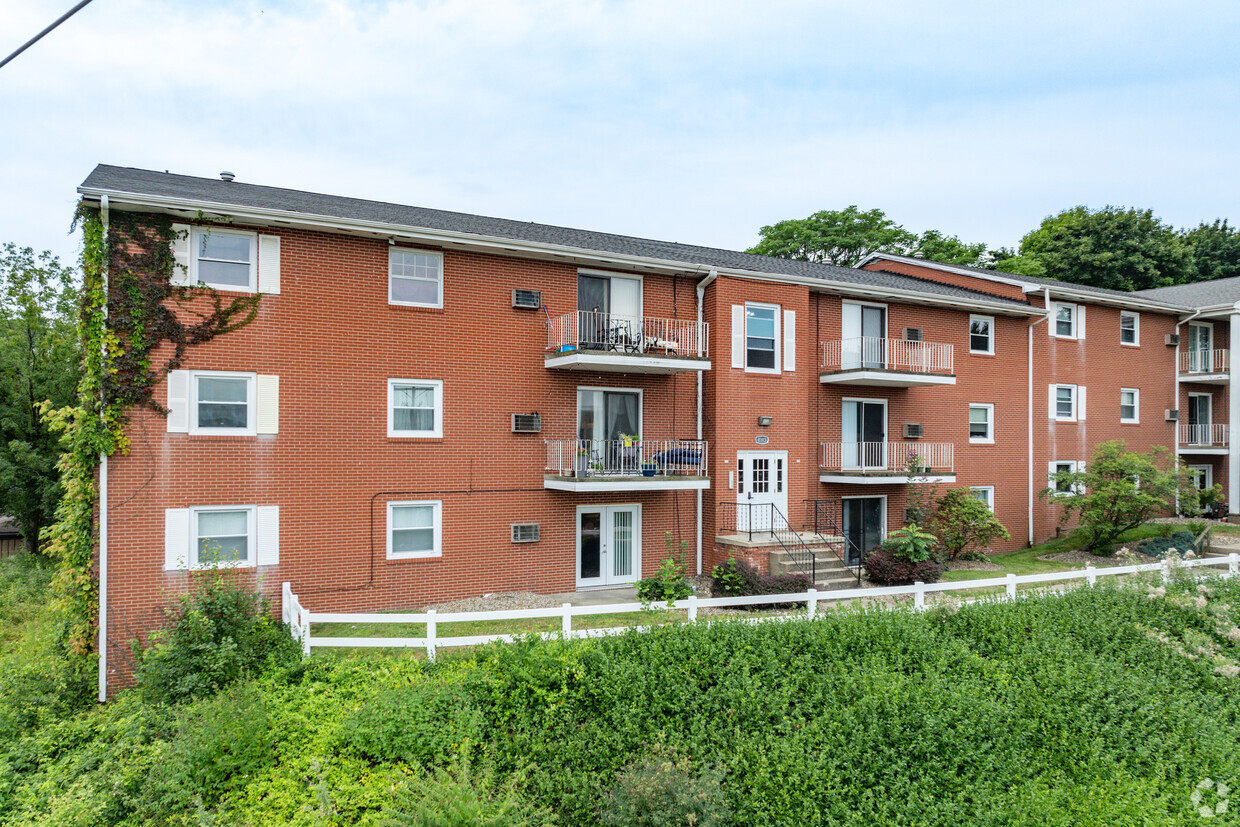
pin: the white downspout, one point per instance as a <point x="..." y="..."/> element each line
<point x="701" y="297"/>
<point x="1175" y="439"/>
<point x="1046" y="315"/>
<point x="103" y="484"/>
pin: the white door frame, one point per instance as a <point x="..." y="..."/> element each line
<point x="861" y="455"/>
<point x="779" y="497"/>
<point x="1209" y="474"/>
<point x="606" y="580"/>
<point x="882" y="523"/>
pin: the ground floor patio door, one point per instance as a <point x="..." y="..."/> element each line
<point x="865" y="520"/>
<point x="760" y="483"/>
<point x="608" y="545"/>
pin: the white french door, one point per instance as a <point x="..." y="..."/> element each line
<point x="608" y="545"/>
<point x="864" y="328"/>
<point x="1200" y="348"/>
<point x="761" y="481"/>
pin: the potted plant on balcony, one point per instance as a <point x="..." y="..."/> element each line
<point x="583" y="463"/>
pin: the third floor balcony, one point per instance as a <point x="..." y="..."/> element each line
<point x="598" y="341"/>
<point x="885" y="363"/>
<point x="1211" y="365"/>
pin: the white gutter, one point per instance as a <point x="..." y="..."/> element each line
<point x="701" y="298"/>
<point x="103" y="482"/>
<point x="511" y="246"/>
<point x="1046" y="315"/>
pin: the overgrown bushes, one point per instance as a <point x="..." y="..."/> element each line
<point x="1181" y="541"/>
<point x="886" y="567"/>
<point x="740" y="578"/>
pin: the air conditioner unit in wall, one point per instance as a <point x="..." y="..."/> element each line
<point x="1173" y="339"/>
<point x="530" y="423"/>
<point x="912" y="430"/>
<point x="913" y="334"/>
<point x="1171" y="414"/>
<point x="525" y="532"/>
<point x="527" y="299"/>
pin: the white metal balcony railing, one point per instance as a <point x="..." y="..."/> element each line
<point x="886" y="354"/>
<point x="887" y="457"/>
<point x="1205" y="361"/>
<point x="626" y="458"/>
<point x="595" y="330"/>
<point x="1204" y="436"/>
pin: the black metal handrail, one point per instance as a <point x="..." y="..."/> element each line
<point x="767" y="520"/>
<point x="823" y="516"/>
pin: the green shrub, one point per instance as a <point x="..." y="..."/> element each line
<point x="463" y="797"/>
<point x="739" y="578"/>
<point x="668" y="584"/>
<point x="1181" y="541"/>
<point x="661" y="790"/>
<point x="964" y="525"/>
<point x="887" y="568"/>
<point x="220" y="632"/>
<point x="428" y="723"/>
<point x="910" y="543"/>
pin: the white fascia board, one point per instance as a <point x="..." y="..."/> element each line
<point x="512" y="246"/>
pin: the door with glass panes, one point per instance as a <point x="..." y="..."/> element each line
<point x="864" y="525"/>
<point x="760" y="484"/>
<point x="864" y="328"/>
<point x="864" y="435"/>
<point x="1200" y="348"/>
<point x="608" y="545"/>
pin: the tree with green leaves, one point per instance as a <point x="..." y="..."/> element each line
<point x="964" y="524"/>
<point x="1114" y="247"/>
<point x="949" y="249"/>
<point x="39" y="361"/>
<point x="1007" y="260"/>
<point x="1215" y="250"/>
<point x="843" y="237"/>
<point x="1118" y="490"/>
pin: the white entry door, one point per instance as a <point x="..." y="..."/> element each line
<point x="761" y="480"/>
<point x="608" y="545"/>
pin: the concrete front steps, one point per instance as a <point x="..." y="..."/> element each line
<point x="831" y="571"/>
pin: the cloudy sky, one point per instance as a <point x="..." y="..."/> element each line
<point x="692" y="122"/>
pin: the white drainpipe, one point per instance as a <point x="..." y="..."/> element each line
<point x="701" y="297"/>
<point x="103" y="486"/>
<point x="1046" y="315"/>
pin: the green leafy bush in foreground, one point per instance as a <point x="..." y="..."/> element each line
<point x="1105" y="706"/>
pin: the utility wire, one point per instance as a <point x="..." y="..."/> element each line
<point x="40" y="35"/>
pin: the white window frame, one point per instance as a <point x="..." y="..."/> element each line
<point x="1208" y="475"/>
<point x="435" y="432"/>
<point x="778" y="312"/>
<point x="438" y="303"/>
<point x="1076" y="318"/>
<point x="1073" y="416"/>
<point x="1073" y="467"/>
<point x="1136" y="406"/>
<point x="436" y="527"/>
<point x="989" y="491"/>
<point x="1136" y="328"/>
<point x="251" y="543"/>
<point x="251" y="403"/>
<point x="989" y="439"/>
<point x="195" y="245"/>
<point x="990" y="336"/>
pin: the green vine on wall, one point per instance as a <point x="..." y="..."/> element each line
<point x="130" y="339"/>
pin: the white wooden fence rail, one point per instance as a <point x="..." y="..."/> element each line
<point x="299" y="618"/>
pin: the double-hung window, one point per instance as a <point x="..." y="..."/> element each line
<point x="415" y="529"/>
<point x="1065" y="321"/>
<point x="415" y="277"/>
<point x="981" y="423"/>
<point x="1130" y="405"/>
<point x="224" y="259"/>
<point x="1129" y="328"/>
<point x="222" y="403"/>
<point x="415" y="408"/>
<point x="222" y="536"/>
<point x="1065" y="403"/>
<point x="981" y="334"/>
<point x="761" y="337"/>
<point x="1061" y="485"/>
<point x="985" y="493"/>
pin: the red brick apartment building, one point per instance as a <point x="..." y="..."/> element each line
<point x="433" y="404"/>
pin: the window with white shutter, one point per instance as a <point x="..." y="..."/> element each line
<point x="269" y="264"/>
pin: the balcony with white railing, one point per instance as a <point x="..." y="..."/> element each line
<point x="1205" y="365"/>
<point x="886" y="462"/>
<point x="625" y="465"/>
<point x="596" y="341"/>
<point x="1203" y="439"/>
<point x="886" y="363"/>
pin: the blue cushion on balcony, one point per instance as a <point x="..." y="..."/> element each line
<point x="679" y="456"/>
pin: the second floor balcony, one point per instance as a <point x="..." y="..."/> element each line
<point x="1205" y="365"/>
<point x="597" y="341"/>
<point x="885" y="363"/>
<point x="625" y="465"/>
<point x="1203" y="439"/>
<point x="886" y="462"/>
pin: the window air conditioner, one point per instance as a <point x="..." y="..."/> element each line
<point x="1173" y="339"/>
<point x="913" y="334"/>
<point x="912" y="430"/>
<point x="525" y="532"/>
<point x="527" y="299"/>
<point x="1171" y="414"/>
<point x="530" y="423"/>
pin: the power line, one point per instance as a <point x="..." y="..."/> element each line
<point x="40" y="35"/>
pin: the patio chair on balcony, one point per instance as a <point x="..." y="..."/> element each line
<point x="681" y="460"/>
<point x="621" y="337"/>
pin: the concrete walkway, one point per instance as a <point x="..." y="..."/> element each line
<point x="598" y="597"/>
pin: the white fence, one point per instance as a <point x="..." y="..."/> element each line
<point x="626" y="457"/>
<point x="887" y="354"/>
<point x="1204" y="436"/>
<point x="893" y="457"/>
<point x="595" y="330"/>
<point x="566" y="612"/>
<point x="1204" y="361"/>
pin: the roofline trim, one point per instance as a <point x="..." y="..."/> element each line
<point x="1028" y="288"/>
<point x="501" y="244"/>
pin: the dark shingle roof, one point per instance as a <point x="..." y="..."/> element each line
<point x="207" y="191"/>
<point x="1197" y="294"/>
